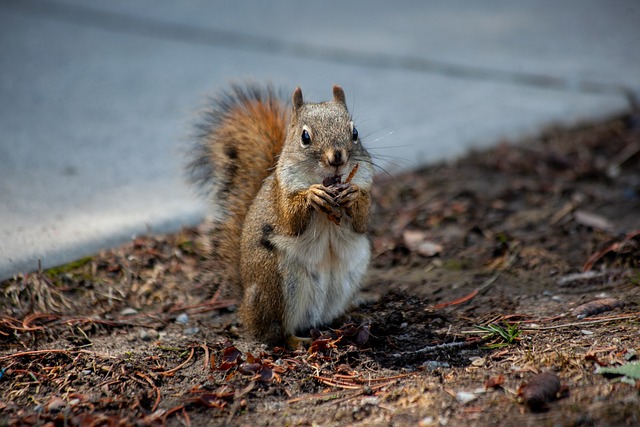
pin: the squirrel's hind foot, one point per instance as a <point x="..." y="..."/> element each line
<point x="294" y="342"/>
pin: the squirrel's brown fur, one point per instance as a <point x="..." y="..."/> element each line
<point x="246" y="116"/>
<point x="264" y="163"/>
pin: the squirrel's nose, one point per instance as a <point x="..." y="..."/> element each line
<point x="337" y="157"/>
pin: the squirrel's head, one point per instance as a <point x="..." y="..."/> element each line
<point x="322" y="138"/>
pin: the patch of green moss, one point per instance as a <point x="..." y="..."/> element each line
<point x="68" y="268"/>
<point x="454" y="265"/>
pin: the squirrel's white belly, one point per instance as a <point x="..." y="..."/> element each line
<point x="322" y="270"/>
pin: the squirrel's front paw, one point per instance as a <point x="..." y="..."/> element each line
<point x="323" y="199"/>
<point x="347" y="195"/>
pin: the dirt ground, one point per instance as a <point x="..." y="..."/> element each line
<point x="501" y="284"/>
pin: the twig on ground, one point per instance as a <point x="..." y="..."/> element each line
<point x="207" y="361"/>
<point x="432" y="348"/>
<point x="483" y="288"/>
<point x="155" y="389"/>
<point x="337" y="383"/>
<point x="613" y="247"/>
<point x="173" y="411"/>
<point x="591" y="321"/>
<point x="26" y="323"/>
<point x="325" y="395"/>
<point x="41" y="352"/>
<point x="456" y="301"/>
<point x="172" y="371"/>
<point x="586" y="322"/>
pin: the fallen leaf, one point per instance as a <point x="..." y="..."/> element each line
<point x="494" y="382"/>
<point x="616" y="246"/>
<point x="631" y="370"/>
<point x="211" y="400"/>
<point x="217" y="399"/>
<point x="363" y="334"/>
<point x="321" y="344"/>
<point x="349" y="334"/>
<point x="249" y="368"/>
<point x="266" y="374"/>
<point x="416" y="241"/>
<point x="230" y="358"/>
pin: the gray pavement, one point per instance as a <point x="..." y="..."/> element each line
<point x="96" y="98"/>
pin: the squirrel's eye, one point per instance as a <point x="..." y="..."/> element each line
<point x="306" y="139"/>
<point x="355" y="134"/>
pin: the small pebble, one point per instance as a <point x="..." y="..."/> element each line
<point x="434" y="364"/>
<point x="477" y="361"/>
<point x="370" y="400"/>
<point x="465" y="397"/>
<point x="426" y="421"/>
<point x="148" y="334"/>
<point x="630" y="194"/>
<point x="182" y="319"/>
<point x="55" y="404"/>
<point x="128" y="311"/>
<point x="191" y="331"/>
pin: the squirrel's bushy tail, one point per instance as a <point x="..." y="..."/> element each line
<point x="240" y="137"/>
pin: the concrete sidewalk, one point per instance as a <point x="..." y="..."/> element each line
<point x="97" y="97"/>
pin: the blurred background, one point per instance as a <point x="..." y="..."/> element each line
<point x="98" y="98"/>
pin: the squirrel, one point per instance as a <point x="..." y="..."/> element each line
<point x="289" y="235"/>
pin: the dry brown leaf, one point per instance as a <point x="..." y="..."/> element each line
<point x="417" y="241"/>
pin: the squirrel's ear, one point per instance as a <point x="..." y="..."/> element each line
<point x="296" y="99"/>
<point x="338" y="95"/>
